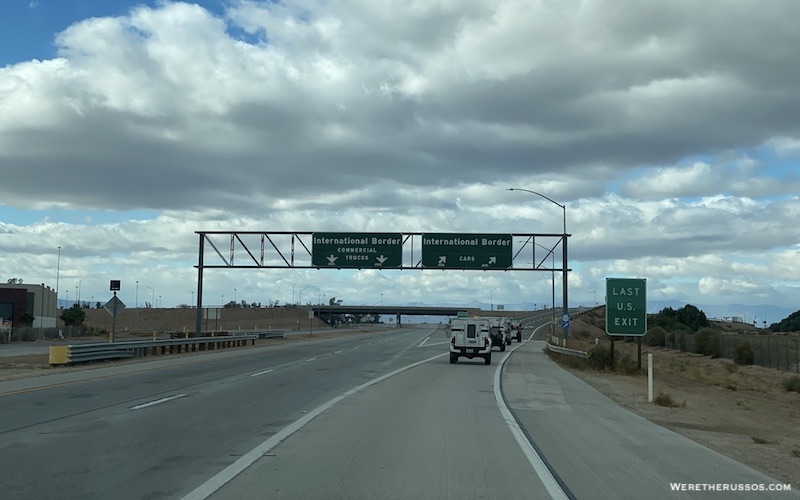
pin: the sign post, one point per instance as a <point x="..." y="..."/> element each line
<point x="626" y="311"/>
<point x="114" y="306"/>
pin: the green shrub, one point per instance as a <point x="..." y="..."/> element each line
<point x="743" y="354"/>
<point x="626" y="364"/>
<point x="664" y="399"/>
<point x="706" y="341"/>
<point x="792" y="384"/>
<point x="28" y="334"/>
<point x="600" y="358"/>
<point x="656" y="336"/>
<point x="680" y="335"/>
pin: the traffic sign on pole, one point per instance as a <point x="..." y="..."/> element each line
<point x="114" y="306"/>
<point x="466" y="251"/>
<point x="357" y="250"/>
<point x="626" y="307"/>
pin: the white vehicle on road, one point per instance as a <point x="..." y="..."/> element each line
<point x="469" y="337"/>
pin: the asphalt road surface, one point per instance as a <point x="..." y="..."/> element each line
<point x="378" y="415"/>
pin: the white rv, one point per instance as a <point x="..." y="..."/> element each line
<point x="469" y="337"/>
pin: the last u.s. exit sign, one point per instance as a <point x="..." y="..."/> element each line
<point x="626" y="306"/>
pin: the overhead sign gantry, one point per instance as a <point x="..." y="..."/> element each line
<point x="384" y="250"/>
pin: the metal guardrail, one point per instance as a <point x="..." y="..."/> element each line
<point x="568" y="352"/>
<point x="81" y="353"/>
<point x="268" y="334"/>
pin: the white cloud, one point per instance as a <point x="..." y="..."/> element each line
<point x="645" y="122"/>
<point x="785" y="146"/>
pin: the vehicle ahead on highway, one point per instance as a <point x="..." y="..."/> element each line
<point x="516" y="331"/>
<point x="499" y="331"/>
<point x="469" y="337"/>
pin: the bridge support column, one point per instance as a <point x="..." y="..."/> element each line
<point x="398" y="320"/>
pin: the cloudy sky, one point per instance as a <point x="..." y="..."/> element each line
<point x="668" y="130"/>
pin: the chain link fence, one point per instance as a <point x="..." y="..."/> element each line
<point x="30" y="333"/>
<point x="770" y="352"/>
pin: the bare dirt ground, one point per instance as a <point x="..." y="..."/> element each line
<point x="743" y="412"/>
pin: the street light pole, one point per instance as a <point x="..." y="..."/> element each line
<point x="41" y="315"/>
<point x="300" y="294"/>
<point x="58" y="270"/>
<point x="491" y="299"/>
<point x="137" y="295"/>
<point x="565" y="312"/>
<point x="553" y="285"/>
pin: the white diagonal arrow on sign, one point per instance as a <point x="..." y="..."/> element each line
<point x="332" y="259"/>
<point x="492" y="260"/>
<point x="380" y="260"/>
<point x="442" y="260"/>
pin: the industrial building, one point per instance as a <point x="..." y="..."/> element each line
<point x="16" y="299"/>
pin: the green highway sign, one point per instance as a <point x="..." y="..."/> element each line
<point x="626" y="306"/>
<point x="466" y="251"/>
<point x="357" y="250"/>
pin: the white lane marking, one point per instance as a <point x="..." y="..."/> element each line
<point x="157" y="401"/>
<point x="426" y="339"/>
<point x="339" y="351"/>
<point x="435" y="343"/>
<point x="310" y="359"/>
<point x="216" y="482"/>
<point x="262" y="373"/>
<point x="545" y="476"/>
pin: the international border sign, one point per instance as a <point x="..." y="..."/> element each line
<point x="626" y="306"/>
<point x="357" y="250"/>
<point x="466" y="251"/>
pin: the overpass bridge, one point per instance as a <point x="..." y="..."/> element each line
<point x="323" y="311"/>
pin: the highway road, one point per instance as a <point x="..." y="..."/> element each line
<point x="377" y="415"/>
